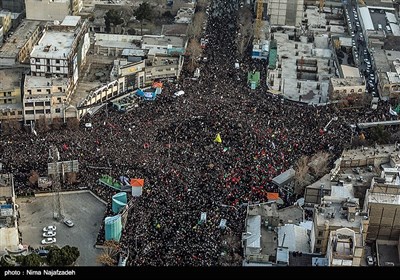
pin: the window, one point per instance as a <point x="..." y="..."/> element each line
<point x="29" y="91"/>
<point x="19" y="112"/>
<point x="319" y="242"/>
<point x="57" y="61"/>
<point x="352" y="90"/>
<point x="39" y="90"/>
<point x="60" y="90"/>
<point x="58" y="68"/>
<point x="29" y="104"/>
<point x="39" y="103"/>
<point x="47" y="103"/>
<point x="360" y="90"/>
<point x="48" y="61"/>
<point x="39" y="111"/>
<point x="37" y="67"/>
<point x="12" y="113"/>
<point x="320" y="233"/>
<point x="58" y="110"/>
<point x="29" y="112"/>
<point x="47" y="111"/>
<point x="37" y="60"/>
<point x="344" y="91"/>
<point x="48" y="91"/>
<point x="337" y="91"/>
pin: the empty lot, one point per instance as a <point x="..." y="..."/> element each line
<point x="82" y="208"/>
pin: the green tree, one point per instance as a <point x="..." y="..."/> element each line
<point x="31" y="260"/>
<point x="143" y="12"/>
<point x="112" y="17"/>
<point x="67" y="255"/>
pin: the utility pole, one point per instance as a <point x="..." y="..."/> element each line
<point x="54" y="169"/>
<point x="54" y="156"/>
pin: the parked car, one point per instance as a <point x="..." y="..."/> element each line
<point x="49" y="240"/>
<point x="69" y="223"/>
<point x="49" y="233"/>
<point x="370" y="261"/>
<point x="49" y="228"/>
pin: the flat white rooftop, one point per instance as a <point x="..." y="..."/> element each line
<point x="71" y="21"/>
<point x="40" y="82"/>
<point x="54" y="44"/>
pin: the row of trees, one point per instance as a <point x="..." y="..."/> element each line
<point x="64" y="256"/>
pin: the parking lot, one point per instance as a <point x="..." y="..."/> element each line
<point x="83" y="209"/>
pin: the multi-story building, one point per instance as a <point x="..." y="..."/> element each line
<point x="5" y="20"/>
<point x="350" y="89"/>
<point x="45" y="97"/>
<point x="336" y="211"/>
<point x="10" y="94"/>
<point x="382" y="201"/>
<point x="14" y="6"/>
<point x="9" y="237"/>
<point x="48" y="10"/>
<point x="19" y="45"/>
<point x="55" y="64"/>
<point x="345" y="248"/>
<point x="164" y="45"/>
<point x="161" y="67"/>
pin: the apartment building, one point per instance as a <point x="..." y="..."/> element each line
<point x="382" y="201"/>
<point x="10" y="94"/>
<point x="339" y="210"/>
<point x="55" y="64"/>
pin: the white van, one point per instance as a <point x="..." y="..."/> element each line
<point x="379" y="26"/>
<point x="388" y="28"/>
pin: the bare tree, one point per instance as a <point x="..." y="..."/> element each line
<point x="246" y="30"/>
<point x="195" y="27"/>
<point x="42" y="124"/>
<point x="301" y="176"/>
<point x="73" y="123"/>
<point x="194" y="49"/>
<point x="319" y="164"/>
<point x="57" y="123"/>
<point x="111" y="249"/>
<point x="33" y="178"/>
<point x="10" y="127"/>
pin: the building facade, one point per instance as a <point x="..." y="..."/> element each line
<point x="10" y="95"/>
<point x="382" y="201"/>
<point x="5" y="20"/>
<point x="350" y="89"/>
<point x="47" y="10"/>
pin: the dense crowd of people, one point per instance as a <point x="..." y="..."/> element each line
<point x="169" y="142"/>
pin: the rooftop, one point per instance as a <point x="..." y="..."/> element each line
<point x="294" y="237"/>
<point x="42" y="82"/>
<point x="54" y="44"/>
<point x="9" y="239"/>
<point x="71" y="21"/>
<point x="13" y="44"/>
<point x="362" y="153"/>
<point x="173" y="41"/>
<point x="349" y="81"/>
<point x="10" y="79"/>
<point x="291" y="215"/>
<point x="384" y="198"/>
<point x="176" y="29"/>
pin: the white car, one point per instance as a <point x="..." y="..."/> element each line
<point x="69" y="223"/>
<point x="370" y="261"/>
<point x="179" y="93"/>
<point x="49" y="240"/>
<point x="49" y="228"/>
<point x="49" y="233"/>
